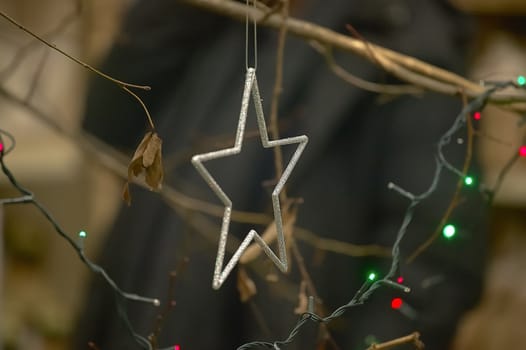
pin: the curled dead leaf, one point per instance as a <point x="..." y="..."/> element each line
<point x="303" y="300"/>
<point x="245" y="286"/>
<point x="148" y="159"/>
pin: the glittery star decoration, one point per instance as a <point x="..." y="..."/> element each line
<point x="220" y="273"/>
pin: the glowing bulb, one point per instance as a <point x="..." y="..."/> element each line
<point x="372" y="276"/>
<point x="522" y="151"/>
<point x="521" y="80"/>
<point x="477" y="115"/>
<point x="1" y="147"/>
<point x="396" y="303"/>
<point x="82" y="235"/>
<point x="468" y="180"/>
<point x="449" y="231"/>
<point x="177" y="347"/>
<point x="400" y="280"/>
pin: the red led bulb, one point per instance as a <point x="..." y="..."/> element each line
<point x="477" y="115"/>
<point x="396" y="303"/>
<point x="522" y="151"/>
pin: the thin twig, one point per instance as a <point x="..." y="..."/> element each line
<point x="303" y="269"/>
<point x="18" y="57"/>
<point x="150" y="121"/>
<point x="370" y="51"/>
<point x="298" y="257"/>
<point x="169" y="305"/>
<point x="74" y="59"/>
<point x="120" y="83"/>
<point x="411" y="338"/>
<point x="345" y="75"/>
<point x="276" y="93"/>
<point x="340" y="247"/>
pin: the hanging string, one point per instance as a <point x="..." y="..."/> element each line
<point x="247" y="35"/>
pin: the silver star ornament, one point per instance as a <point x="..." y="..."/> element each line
<point x="220" y="273"/>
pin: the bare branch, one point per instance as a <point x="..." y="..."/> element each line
<point x="404" y="67"/>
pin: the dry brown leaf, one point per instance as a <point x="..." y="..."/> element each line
<point x="153" y="146"/>
<point x="154" y="172"/>
<point x="303" y="300"/>
<point x="148" y="159"/>
<point x="245" y="286"/>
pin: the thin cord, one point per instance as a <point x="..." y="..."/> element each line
<point x="255" y="37"/>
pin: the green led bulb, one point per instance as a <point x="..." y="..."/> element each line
<point x="521" y="80"/>
<point x="468" y="180"/>
<point x="449" y="231"/>
<point x="372" y="276"/>
<point x="83" y="234"/>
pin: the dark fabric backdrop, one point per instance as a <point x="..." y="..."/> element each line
<point x="195" y="63"/>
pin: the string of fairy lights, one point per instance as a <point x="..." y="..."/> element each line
<point x="373" y="282"/>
